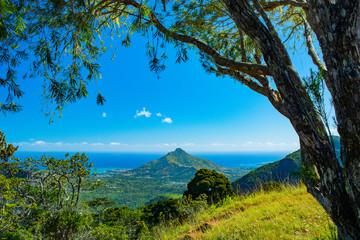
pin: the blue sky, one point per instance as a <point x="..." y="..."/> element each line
<point x="184" y="108"/>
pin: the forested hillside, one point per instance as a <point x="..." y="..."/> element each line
<point x="285" y="170"/>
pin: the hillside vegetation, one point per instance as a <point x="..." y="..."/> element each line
<point x="164" y="177"/>
<point x="282" y="171"/>
<point x="290" y="213"/>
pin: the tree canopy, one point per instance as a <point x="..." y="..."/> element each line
<point x="215" y="186"/>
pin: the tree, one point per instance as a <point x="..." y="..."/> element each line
<point x="99" y="205"/>
<point x="211" y="183"/>
<point x="243" y="39"/>
<point x="40" y="198"/>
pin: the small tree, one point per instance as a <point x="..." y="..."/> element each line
<point x="211" y="183"/>
<point x="42" y="194"/>
<point x="99" y="205"/>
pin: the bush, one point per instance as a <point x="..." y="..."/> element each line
<point x="211" y="183"/>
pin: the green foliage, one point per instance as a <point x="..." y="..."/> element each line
<point x="308" y="173"/>
<point x="120" y="216"/>
<point x="162" y="211"/>
<point x="141" y="229"/>
<point x="12" y="25"/>
<point x="272" y="186"/>
<point x="40" y="198"/>
<point x="63" y="225"/>
<point x="62" y="39"/>
<point x="105" y="232"/>
<point x="133" y="191"/>
<point x="211" y="183"/>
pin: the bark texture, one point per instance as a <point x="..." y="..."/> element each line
<point x="337" y="28"/>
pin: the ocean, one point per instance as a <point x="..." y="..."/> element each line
<point x="105" y="161"/>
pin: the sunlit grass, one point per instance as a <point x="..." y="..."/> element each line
<point x="291" y="213"/>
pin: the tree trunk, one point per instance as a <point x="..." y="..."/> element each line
<point x="326" y="180"/>
<point x="338" y="204"/>
<point x="337" y="28"/>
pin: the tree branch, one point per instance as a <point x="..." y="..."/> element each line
<point x="273" y="96"/>
<point x="311" y="49"/>
<point x="242" y="79"/>
<point x="248" y="68"/>
<point x="273" y="32"/>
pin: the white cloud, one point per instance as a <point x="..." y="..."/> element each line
<point x="97" y="144"/>
<point x="31" y="139"/>
<point x="167" y="120"/>
<point x="104" y="114"/>
<point x="84" y="143"/>
<point x="143" y="113"/>
<point x="40" y="143"/>
<point x="158" y="114"/>
<point x="217" y="144"/>
<point x="115" y="143"/>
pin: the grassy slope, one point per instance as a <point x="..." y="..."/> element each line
<point x="289" y="214"/>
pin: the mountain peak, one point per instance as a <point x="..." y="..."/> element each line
<point x="175" y="165"/>
<point x="179" y="150"/>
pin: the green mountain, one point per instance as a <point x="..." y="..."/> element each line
<point x="279" y="171"/>
<point x="176" y="166"/>
<point x="164" y="177"/>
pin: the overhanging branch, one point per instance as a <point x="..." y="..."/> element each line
<point x="248" y="68"/>
<point x="272" y="95"/>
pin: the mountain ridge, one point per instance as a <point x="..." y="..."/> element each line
<point x="279" y="171"/>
